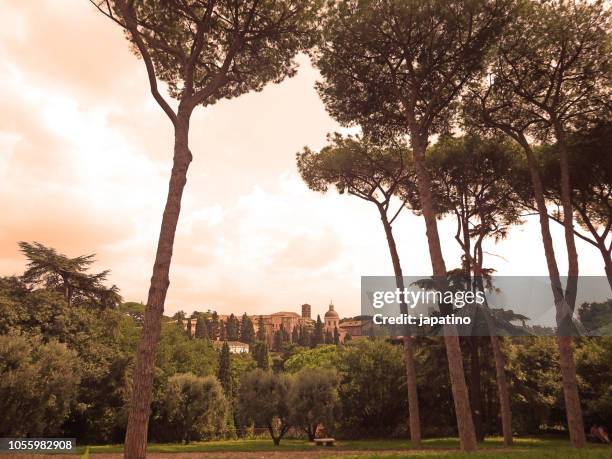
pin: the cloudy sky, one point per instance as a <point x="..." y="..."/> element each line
<point x="85" y="156"/>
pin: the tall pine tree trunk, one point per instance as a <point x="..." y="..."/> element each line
<point x="564" y="309"/>
<point x="463" y="412"/>
<point x="475" y="386"/>
<point x="568" y="367"/>
<point x="411" y="379"/>
<point x="570" y="391"/>
<point x="470" y="263"/>
<point x="502" y="390"/>
<point x="498" y="358"/>
<point x="568" y="226"/>
<point x="140" y="402"/>
<point x="608" y="264"/>
<point x="413" y="397"/>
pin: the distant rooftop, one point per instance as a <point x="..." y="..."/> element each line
<point x="351" y="323"/>
<point x="286" y="313"/>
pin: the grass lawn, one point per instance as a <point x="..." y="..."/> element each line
<point x="526" y="448"/>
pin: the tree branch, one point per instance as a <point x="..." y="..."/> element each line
<point x="131" y="26"/>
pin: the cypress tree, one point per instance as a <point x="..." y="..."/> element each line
<point x="215" y="327"/>
<point x="278" y="340"/>
<point x="261" y="356"/>
<point x="188" y="328"/>
<point x="247" y="331"/>
<point x="232" y="328"/>
<point x="261" y="329"/>
<point x="225" y="369"/>
<point x="304" y="336"/>
<point x="318" y="337"/>
<point x="208" y="327"/>
<point x="201" y="329"/>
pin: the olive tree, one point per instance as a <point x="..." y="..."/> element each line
<point x="193" y="408"/>
<point x="264" y="401"/>
<point x="204" y="51"/>
<point x="313" y="399"/>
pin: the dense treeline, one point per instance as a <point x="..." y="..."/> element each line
<point x="66" y="370"/>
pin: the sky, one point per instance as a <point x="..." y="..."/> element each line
<point x="85" y="158"/>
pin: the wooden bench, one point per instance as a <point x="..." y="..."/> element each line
<point x="325" y="441"/>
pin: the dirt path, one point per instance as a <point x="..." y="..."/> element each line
<point x="320" y="453"/>
<point x="222" y="454"/>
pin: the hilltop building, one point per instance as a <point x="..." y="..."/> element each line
<point x="288" y="321"/>
<point x="352" y="328"/>
<point x="332" y="319"/>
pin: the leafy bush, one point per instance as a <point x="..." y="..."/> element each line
<point x="38" y="384"/>
<point x="193" y="409"/>
<point x="372" y="387"/>
<point x="313" y="399"/>
<point x="318" y="357"/>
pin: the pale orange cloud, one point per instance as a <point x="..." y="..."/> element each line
<point x="64" y="45"/>
<point x="85" y="156"/>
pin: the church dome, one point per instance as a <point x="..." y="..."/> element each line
<point x="331" y="314"/>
